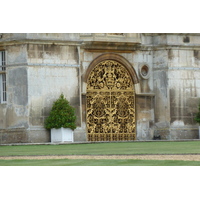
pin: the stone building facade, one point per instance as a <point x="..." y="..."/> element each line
<point x="152" y="82"/>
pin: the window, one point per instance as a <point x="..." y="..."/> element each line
<point x="2" y="77"/>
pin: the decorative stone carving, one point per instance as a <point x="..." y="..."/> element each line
<point x="144" y="71"/>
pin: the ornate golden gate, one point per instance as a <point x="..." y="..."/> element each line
<point x="110" y="103"/>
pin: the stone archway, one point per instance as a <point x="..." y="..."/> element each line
<point x="110" y="99"/>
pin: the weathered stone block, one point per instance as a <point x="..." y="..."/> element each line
<point x="38" y="136"/>
<point x="80" y="135"/>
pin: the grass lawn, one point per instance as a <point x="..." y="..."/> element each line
<point x="90" y="162"/>
<point x="187" y="147"/>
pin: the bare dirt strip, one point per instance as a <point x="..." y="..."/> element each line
<point x="134" y="157"/>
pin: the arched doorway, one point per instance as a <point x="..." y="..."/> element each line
<point x="110" y="102"/>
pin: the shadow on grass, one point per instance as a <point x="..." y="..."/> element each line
<point x="88" y="162"/>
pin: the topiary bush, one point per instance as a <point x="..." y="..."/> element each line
<point x="61" y="115"/>
<point x="197" y="118"/>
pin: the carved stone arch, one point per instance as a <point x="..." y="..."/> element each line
<point x="116" y="57"/>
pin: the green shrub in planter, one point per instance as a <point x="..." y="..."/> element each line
<point x="197" y="118"/>
<point x="61" y="115"/>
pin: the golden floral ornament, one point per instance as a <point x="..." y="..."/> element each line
<point x="110" y="103"/>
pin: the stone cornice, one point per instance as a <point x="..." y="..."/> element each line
<point x="155" y="34"/>
<point x="168" y="47"/>
<point x="36" y="41"/>
<point x="103" y="46"/>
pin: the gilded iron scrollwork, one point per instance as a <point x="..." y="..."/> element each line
<point x="110" y="103"/>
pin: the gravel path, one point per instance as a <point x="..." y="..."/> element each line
<point x="141" y="157"/>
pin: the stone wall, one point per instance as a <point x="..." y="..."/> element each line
<point x="176" y="84"/>
<point x="41" y="66"/>
<point x="53" y="69"/>
<point x="36" y="76"/>
<point x="144" y="95"/>
<point x="161" y="82"/>
<point x="184" y="91"/>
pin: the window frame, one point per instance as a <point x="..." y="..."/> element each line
<point x="3" y="91"/>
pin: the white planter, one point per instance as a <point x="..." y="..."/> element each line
<point x="62" y="135"/>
